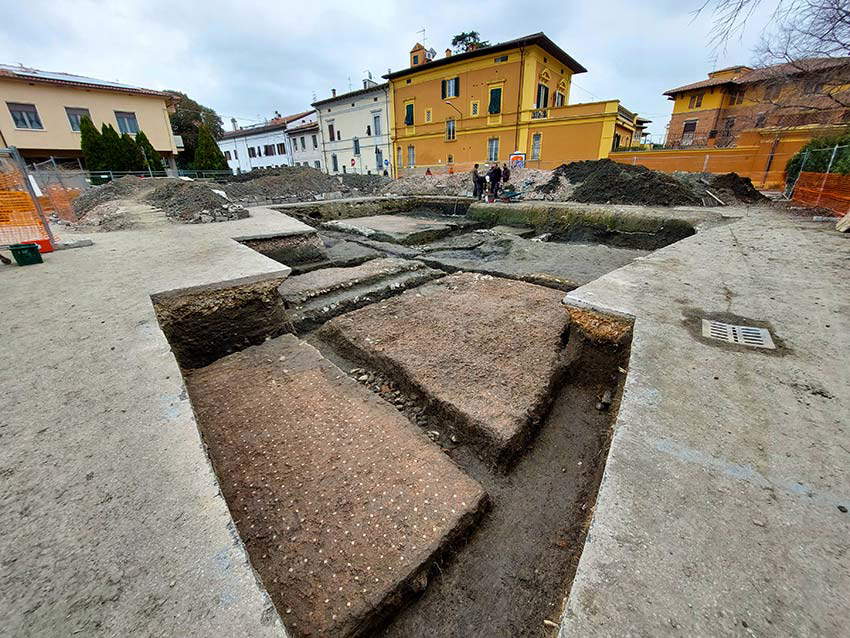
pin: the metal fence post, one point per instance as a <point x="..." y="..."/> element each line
<point x="800" y="172"/>
<point x="828" y="168"/>
<point x="705" y="164"/>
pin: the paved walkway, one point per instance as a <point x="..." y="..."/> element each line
<point x="719" y="511"/>
<point x="112" y="522"/>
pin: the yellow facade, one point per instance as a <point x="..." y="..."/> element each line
<point x="57" y="136"/>
<point x="458" y="130"/>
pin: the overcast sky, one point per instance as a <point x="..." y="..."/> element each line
<point x="247" y="59"/>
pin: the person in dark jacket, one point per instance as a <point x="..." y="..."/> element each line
<point x="477" y="182"/>
<point x="495" y="175"/>
<point x="506" y="173"/>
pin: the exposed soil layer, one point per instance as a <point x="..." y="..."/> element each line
<point x="292" y="249"/>
<point x="342" y="504"/>
<point x="207" y="323"/>
<point x="517" y="570"/>
<point x="297" y="183"/>
<point x="485" y="352"/>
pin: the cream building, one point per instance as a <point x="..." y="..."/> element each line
<point x="40" y="112"/>
<point x="263" y="145"/>
<point x="355" y="130"/>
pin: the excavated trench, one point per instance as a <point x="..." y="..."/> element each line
<point x="321" y="430"/>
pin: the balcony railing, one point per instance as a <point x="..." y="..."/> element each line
<point x="539" y="114"/>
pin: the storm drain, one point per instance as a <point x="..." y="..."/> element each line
<point x="742" y="335"/>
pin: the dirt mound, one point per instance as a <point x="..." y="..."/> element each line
<point x="107" y="216"/>
<point x="736" y="188"/>
<point x="605" y="181"/>
<point x="298" y="183"/>
<point x="193" y="202"/>
<point x="121" y="188"/>
<point x="443" y="184"/>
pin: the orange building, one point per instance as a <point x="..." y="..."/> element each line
<point x="490" y="103"/>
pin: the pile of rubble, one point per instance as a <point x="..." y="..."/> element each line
<point x="298" y="183"/>
<point x="194" y="202"/>
<point x="122" y="188"/>
<point x="729" y="188"/>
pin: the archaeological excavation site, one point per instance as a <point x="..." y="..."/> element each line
<point x="383" y="413"/>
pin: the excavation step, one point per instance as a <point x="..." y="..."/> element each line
<point x="486" y="353"/>
<point x="342" y="504"/>
<point x="314" y="297"/>
<point x="562" y="265"/>
<point x="403" y="229"/>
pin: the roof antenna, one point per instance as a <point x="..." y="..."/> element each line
<point x="424" y="39"/>
<point x="349" y="84"/>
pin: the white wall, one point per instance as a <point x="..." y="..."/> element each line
<point x="350" y="115"/>
<point x="240" y="159"/>
<point x="306" y="147"/>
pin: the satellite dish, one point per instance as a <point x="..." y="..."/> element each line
<point x="430" y="54"/>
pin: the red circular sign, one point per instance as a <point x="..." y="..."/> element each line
<point x="352" y="161"/>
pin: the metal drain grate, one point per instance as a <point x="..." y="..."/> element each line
<point x="743" y="335"/>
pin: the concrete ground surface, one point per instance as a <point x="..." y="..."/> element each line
<point x="342" y="503"/>
<point x="723" y="508"/>
<point x="402" y="229"/>
<point x="113" y="523"/>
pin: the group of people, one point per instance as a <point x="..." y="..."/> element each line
<point x="491" y="182"/>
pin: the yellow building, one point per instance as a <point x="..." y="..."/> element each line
<point x="486" y="104"/>
<point x="41" y="110"/>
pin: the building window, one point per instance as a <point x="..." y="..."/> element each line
<point x="356" y="146"/>
<point x="542" y="96"/>
<point x="493" y="149"/>
<point x="368" y="130"/>
<point x="252" y="152"/>
<point x="501" y="58"/>
<point x="127" y="122"/>
<point x="75" y="115"/>
<point x="615" y="143"/>
<point x="695" y="101"/>
<point x="227" y="155"/>
<point x="317" y="164"/>
<point x="427" y="115"/>
<point x="736" y="97"/>
<point x="560" y="98"/>
<point x="495" y="105"/>
<point x="379" y="158"/>
<point x="450" y="130"/>
<point x="728" y="125"/>
<point x="281" y="148"/>
<point x="450" y="159"/>
<point x="408" y="114"/>
<point x="450" y="88"/>
<point x="411" y="156"/>
<point x="331" y="131"/>
<point x="376" y="124"/>
<point x="335" y="163"/>
<point x="315" y="141"/>
<point x="415" y="60"/>
<point x="688" y="131"/>
<point x="338" y="136"/>
<point x="269" y="150"/>
<point x="25" y="116"/>
<point x="235" y="154"/>
<point x="303" y="144"/>
<point x="473" y="109"/>
<point x="535" y="146"/>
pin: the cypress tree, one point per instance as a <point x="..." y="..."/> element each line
<point x="113" y="150"/>
<point x="91" y="144"/>
<point x="208" y="156"/>
<point x="152" y="158"/>
<point x="133" y="156"/>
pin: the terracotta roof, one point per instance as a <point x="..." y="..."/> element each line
<point x="540" y="39"/>
<point x="274" y="124"/>
<point x="67" y="79"/>
<point x="303" y="127"/>
<point x="351" y="94"/>
<point x="785" y="69"/>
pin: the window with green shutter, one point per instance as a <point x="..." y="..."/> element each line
<point x="408" y="114"/>
<point x="495" y="101"/>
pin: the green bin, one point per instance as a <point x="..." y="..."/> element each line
<point x="26" y="254"/>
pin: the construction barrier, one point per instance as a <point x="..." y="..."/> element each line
<point x="826" y="190"/>
<point x="21" y="217"/>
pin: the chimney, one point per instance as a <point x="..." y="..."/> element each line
<point x="333" y="92"/>
<point x="233" y="123"/>
<point x="277" y="114"/>
<point x="448" y="53"/>
<point x="364" y="84"/>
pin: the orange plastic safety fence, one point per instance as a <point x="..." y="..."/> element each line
<point x="57" y="199"/>
<point x="827" y="190"/>
<point x="19" y="219"/>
